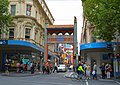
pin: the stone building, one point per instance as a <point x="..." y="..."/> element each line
<point x="25" y="39"/>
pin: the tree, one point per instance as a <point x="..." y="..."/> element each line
<point x="5" y="17"/>
<point x="105" y="15"/>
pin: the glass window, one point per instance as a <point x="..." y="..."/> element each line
<point x="13" y="10"/>
<point x="11" y="33"/>
<point x="36" y="15"/>
<point x="0" y="33"/>
<point x="27" y="33"/>
<point x="28" y="10"/>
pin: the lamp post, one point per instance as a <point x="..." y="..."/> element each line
<point x="75" y="41"/>
<point x="115" y="62"/>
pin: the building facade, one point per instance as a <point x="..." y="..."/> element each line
<point x="25" y="39"/>
<point x="94" y="50"/>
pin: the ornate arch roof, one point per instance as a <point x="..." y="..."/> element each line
<point x="60" y="29"/>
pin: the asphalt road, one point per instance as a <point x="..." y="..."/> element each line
<point x="52" y="79"/>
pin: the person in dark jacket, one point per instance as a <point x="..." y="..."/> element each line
<point x="102" y="68"/>
<point x="43" y="68"/>
<point x="7" y="66"/>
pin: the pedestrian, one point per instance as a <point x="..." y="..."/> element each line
<point x="43" y="68"/>
<point x="55" y="67"/>
<point x="94" y="73"/>
<point x="88" y="71"/>
<point x="32" y="67"/>
<point x="102" y="68"/>
<point x="84" y="66"/>
<point x="21" y="66"/>
<point x="38" y="66"/>
<point x="108" y="70"/>
<point x="7" y="66"/>
<point x="81" y="71"/>
<point x="26" y="66"/>
<point x="47" y="67"/>
<point x="79" y="63"/>
<point x="18" y="67"/>
<point x="51" y="67"/>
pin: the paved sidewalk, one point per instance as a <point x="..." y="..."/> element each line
<point x="14" y="74"/>
<point x="68" y="75"/>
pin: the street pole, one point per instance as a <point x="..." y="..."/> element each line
<point x="45" y="43"/>
<point x="115" y="62"/>
<point x="75" y="41"/>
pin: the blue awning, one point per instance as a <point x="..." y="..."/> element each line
<point x="24" y="43"/>
<point x="96" y="45"/>
<point x="20" y="43"/>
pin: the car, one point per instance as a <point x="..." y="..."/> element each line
<point x="70" y="68"/>
<point x="61" y="68"/>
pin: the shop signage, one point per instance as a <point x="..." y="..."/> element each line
<point x="3" y="41"/>
<point x="60" y="39"/>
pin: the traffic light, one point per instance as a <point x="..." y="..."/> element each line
<point x="109" y="46"/>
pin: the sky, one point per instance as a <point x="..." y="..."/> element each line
<point x="64" y="11"/>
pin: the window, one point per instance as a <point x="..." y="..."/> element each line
<point x="28" y="10"/>
<point x="13" y="10"/>
<point x="27" y="33"/>
<point x="11" y="33"/>
<point x="0" y="33"/>
<point x="36" y="36"/>
<point x="36" y="15"/>
<point x="105" y="57"/>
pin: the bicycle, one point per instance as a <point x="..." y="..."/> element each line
<point x="74" y="75"/>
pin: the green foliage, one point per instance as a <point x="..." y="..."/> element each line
<point x="105" y="14"/>
<point x="5" y="17"/>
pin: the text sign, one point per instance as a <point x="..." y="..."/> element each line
<point x="60" y="39"/>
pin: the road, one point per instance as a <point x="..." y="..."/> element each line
<point x="52" y="79"/>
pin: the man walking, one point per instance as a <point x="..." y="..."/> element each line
<point x="102" y="68"/>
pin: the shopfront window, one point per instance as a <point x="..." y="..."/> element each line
<point x="13" y="59"/>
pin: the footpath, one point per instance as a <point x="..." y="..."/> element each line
<point x="68" y="75"/>
<point x="15" y="74"/>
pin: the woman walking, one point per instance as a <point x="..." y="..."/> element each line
<point x="88" y="71"/>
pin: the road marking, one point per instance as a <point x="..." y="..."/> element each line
<point x="86" y="82"/>
<point x="117" y="82"/>
<point x="105" y="80"/>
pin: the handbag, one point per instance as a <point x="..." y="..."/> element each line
<point x="93" y="72"/>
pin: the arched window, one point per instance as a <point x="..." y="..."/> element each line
<point x="27" y="32"/>
<point x="11" y="32"/>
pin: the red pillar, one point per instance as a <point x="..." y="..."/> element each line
<point x="73" y="51"/>
<point x="46" y="52"/>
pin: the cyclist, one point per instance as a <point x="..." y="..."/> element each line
<point x="81" y="71"/>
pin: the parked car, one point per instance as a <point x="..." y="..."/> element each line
<point x="61" y="68"/>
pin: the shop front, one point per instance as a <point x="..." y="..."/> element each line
<point x="99" y="52"/>
<point x="16" y="50"/>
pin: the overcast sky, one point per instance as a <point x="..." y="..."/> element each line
<point x="64" y="11"/>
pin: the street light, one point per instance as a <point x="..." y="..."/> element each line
<point x="115" y="62"/>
